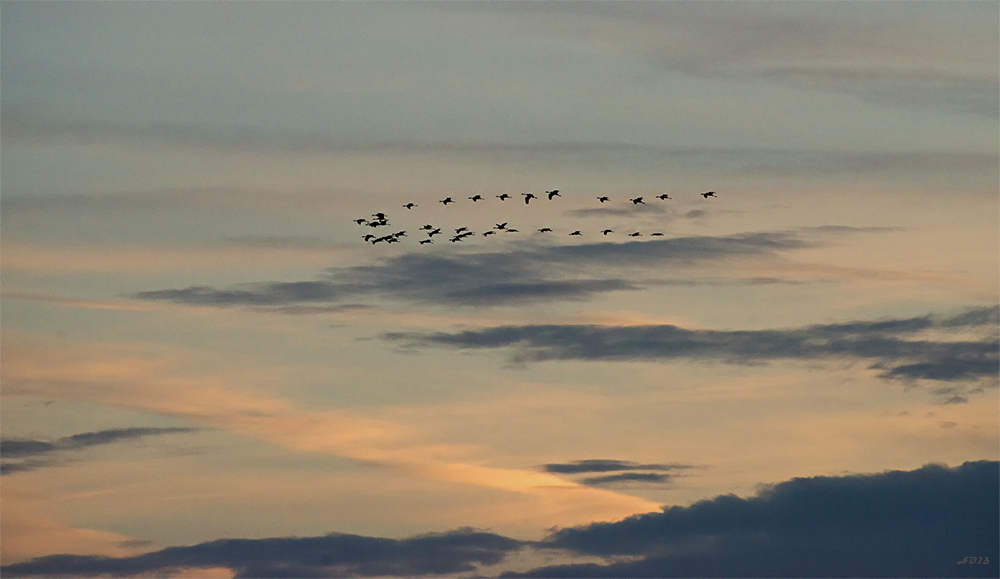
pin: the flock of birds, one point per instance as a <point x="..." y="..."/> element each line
<point x="381" y="220"/>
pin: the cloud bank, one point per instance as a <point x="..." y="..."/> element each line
<point x="918" y="523"/>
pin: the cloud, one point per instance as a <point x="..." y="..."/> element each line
<point x="918" y="523"/>
<point x="885" y="343"/>
<point x="28" y="451"/>
<point x="334" y="555"/>
<point x="607" y="465"/>
<point x="649" y="477"/>
<point x="527" y="273"/>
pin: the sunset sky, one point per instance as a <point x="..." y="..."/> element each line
<point x="208" y="371"/>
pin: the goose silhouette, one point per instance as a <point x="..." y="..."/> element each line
<point x="423" y="241"/>
<point x="708" y="194"/>
<point x="528" y="197"/>
<point x="636" y="234"/>
<point x="435" y="232"/>
<point x="603" y="199"/>
<point x="544" y="230"/>
<point x="361" y="221"/>
<point x="607" y="231"/>
<point x="476" y="197"/>
<point x="428" y="227"/>
<point x="577" y="232"/>
<point x="553" y="193"/>
<point x="503" y="197"/>
<point x="491" y="232"/>
<point x="501" y="225"/>
<point x="637" y="201"/>
<point x="410" y="205"/>
<point x="663" y="197"/>
<point x="447" y="200"/>
<point x="657" y="234"/>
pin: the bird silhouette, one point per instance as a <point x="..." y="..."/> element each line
<point x="423" y="241"/>
<point x="501" y="225"/>
<point x="400" y="234"/>
<point x="637" y="201"/>
<point x="544" y="230"/>
<point x="435" y="232"/>
<point x="410" y="205"/>
<point x="603" y="199"/>
<point x="576" y="233"/>
<point x="510" y="230"/>
<point x="553" y="193"/>
<point x="361" y="221"/>
<point x="428" y="227"/>
<point x="657" y="234"/>
<point x="663" y="197"/>
<point x="476" y="197"/>
<point x="447" y="200"/>
<point x="379" y="216"/>
<point x="456" y="238"/>
<point x="607" y="231"/>
<point x="369" y="237"/>
<point x="491" y="232"/>
<point x="708" y="194"/>
<point x="528" y="197"/>
<point x="461" y="229"/>
<point x="503" y="197"/>
<point x="636" y="234"/>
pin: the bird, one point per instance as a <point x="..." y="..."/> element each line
<point x="423" y="241"/>
<point x="576" y="233"/>
<point x="491" y="232"/>
<point x="399" y="234"/>
<point x="428" y="227"/>
<point x="636" y="234"/>
<point x="663" y="197"/>
<point x="553" y="193"/>
<point x="369" y="237"/>
<point x="510" y="230"/>
<point x="657" y="234"/>
<point x="461" y="229"/>
<point x="501" y="225"/>
<point x="476" y="197"/>
<point x="361" y="221"/>
<point x="435" y="232"/>
<point x="391" y="239"/>
<point x="708" y="194"/>
<point x="379" y="216"/>
<point x="377" y="239"/>
<point x="447" y="200"/>
<point x="637" y="201"/>
<point x="466" y="234"/>
<point x="528" y="197"/>
<point x="410" y="205"/>
<point x="603" y="199"/>
<point x="607" y="231"/>
<point x="456" y="238"/>
<point x="503" y="196"/>
<point x="544" y="230"/>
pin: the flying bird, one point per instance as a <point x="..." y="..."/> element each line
<point x="636" y="234"/>
<point x="369" y="237"/>
<point x="657" y="234"/>
<point x="456" y="238"/>
<point x="427" y="227"/>
<point x="501" y="225"/>
<point x="607" y="231"/>
<point x="410" y="205"/>
<point x="491" y="232"/>
<point x="603" y="199"/>
<point x="553" y="193"/>
<point x="663" y="197"/>
<point x="476" y="197"/>
<point x="447" y="200"/>
<point x="577" y="232"/>
<point x="544" y="230"/>
<point x="461" y="229"/>
<point x="637" y="201"/>
<point x="528" y="197"/>
<point x="399" y="234"/>
<point x="503" y="197"/>
<point x="708" y="194"/>
<point x="423" y="241"/>
<point x="361" y="221"/>
<point x="510" y="230"/>
<point x="379" y="216"/>
<point x="435" y="232"/>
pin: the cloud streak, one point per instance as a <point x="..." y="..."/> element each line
<point x="28" y="454"/>
<point x="886" y="344"/>
<point x="528" y="273"/>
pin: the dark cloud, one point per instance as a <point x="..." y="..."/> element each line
<point x="918" y="523"/>
<point x="885" y="343"/>
<point x="524" y="274"/>
<point x="32" y="454"/>
<point x="607" y="465"/>
<point x="334" y="555"/>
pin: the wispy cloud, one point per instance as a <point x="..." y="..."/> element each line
<point x="21" y="454"/>
<point x="523" y="274"/>
<point x="885" y="343"/>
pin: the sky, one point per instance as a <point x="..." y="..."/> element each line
<point x="217" y="360"/>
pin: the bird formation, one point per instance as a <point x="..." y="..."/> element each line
<point x="380" y="219"/>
